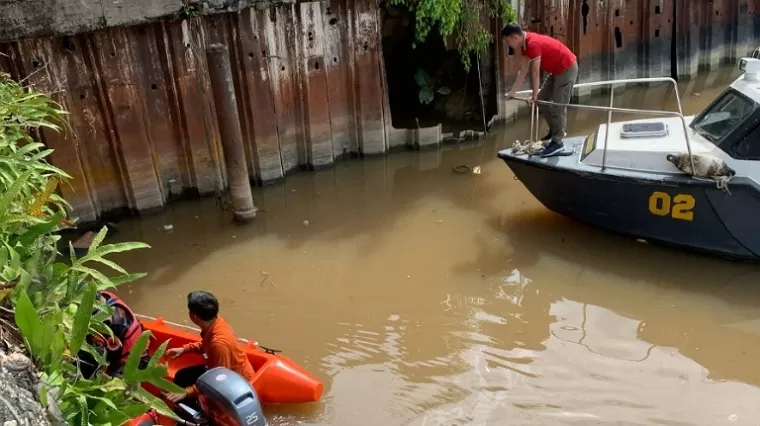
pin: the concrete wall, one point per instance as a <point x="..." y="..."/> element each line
<point x="309" y="78"/>
<point x="39" y="18"/>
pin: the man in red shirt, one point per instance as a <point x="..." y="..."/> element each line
<point x="540" y="52"/>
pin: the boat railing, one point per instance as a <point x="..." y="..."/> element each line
<point x="186" y="327"/>
<point x="534" y="125"/>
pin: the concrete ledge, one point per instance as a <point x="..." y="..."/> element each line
<point x="21" y="19"/>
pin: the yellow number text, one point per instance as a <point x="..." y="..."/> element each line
<point x="679" y="207"/>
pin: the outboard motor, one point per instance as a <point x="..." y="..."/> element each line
<point x="229" y="391"/>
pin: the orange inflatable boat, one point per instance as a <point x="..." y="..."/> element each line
<point x="277" y="379"/>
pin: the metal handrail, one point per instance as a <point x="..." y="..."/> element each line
<point x="186" y="327"/>
<point x="624" y="81"/>
<point x="610" y="109"/>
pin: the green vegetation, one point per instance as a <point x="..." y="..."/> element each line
<point x="52" y="301"/>
<point x="428" y="88"/>
<point x="460" y="17"/>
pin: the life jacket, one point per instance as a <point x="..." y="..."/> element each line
<point x="126" y="342"/>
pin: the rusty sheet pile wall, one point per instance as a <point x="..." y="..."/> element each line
<point x="144" y="129"/>
<point x="310" y="85"/>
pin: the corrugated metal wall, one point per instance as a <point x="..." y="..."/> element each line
<point x="308" y="78"/>
<point x="310" y="85"/>
<point x="632" y="38"/>
<point x="617" y="39"/>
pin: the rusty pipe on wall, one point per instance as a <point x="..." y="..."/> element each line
<point x="220" y="72"/>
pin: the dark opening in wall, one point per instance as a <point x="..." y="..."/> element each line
<point x="618" y="38"/>
<point x="427" y="84"/>
<point x="68" y="44"/>
<point x="584" y="13"/>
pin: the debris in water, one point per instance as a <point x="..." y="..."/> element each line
<point x="439" y="220"/>
<point x="168" y="227"/>
<point x="733" y="418"/>
<point x="476" y="170"/>
<point x="306" y="223"/>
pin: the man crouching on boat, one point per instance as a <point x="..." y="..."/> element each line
<point x="220" y="345"/>
<point x="540" y="52"/>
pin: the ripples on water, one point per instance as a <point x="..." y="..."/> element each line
<point x="425" y="297"/>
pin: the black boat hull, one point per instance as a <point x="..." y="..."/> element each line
<point x="681" y="211"/>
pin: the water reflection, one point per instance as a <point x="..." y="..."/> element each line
<point x="422" y="296"/>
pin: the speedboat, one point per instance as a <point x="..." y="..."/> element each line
<point x="277" y="378"/>
<point x="629" y="177"/>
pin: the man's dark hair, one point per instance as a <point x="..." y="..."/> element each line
<point x="511" y="29"/>
<point x="203" y="304"/>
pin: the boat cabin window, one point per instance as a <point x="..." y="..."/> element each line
<point x="724" y="115"/>
<point x="748" y="146"/>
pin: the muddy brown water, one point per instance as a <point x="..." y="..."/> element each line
<point x="420" y="296"/>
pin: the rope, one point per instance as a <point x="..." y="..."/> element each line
<point x="721" y="182"/>
<point x="528" y="147"/>
<point x="464" y="168"/>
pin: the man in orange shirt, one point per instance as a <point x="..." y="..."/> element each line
<point x="218" y="342"/>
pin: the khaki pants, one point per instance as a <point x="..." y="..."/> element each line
<point x="557" y="89"/>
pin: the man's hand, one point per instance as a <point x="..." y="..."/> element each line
<point x="532" y="99"/>
<point x="510" y="95"/>
<point x="176" y="397"/>
<point x="174" y="353"/>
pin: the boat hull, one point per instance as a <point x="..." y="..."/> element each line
<point x="277" y="379"/>
<point x="677" y="210"/>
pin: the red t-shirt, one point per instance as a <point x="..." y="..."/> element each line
<point x="556" y="58"/>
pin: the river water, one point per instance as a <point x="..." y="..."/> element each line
<point x="421" y="296"/>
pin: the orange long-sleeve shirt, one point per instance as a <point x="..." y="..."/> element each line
<point x="222" y="348"/>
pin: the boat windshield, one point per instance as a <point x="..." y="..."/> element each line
<point x="723" y="115"/>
